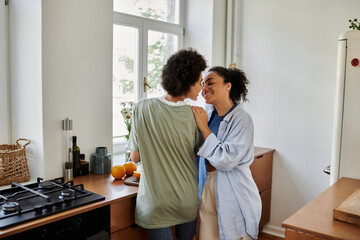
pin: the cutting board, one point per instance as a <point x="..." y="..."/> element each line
<point x="349" y="210"/>
<point x="133" y="181"/>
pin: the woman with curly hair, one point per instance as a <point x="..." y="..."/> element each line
<point x="230" y="206"/>
<point x="164" y="135"/>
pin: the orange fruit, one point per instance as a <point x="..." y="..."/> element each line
<point x="137" y="174"/>
<point x="130" y="168"/>
<point x="118" y="171"/>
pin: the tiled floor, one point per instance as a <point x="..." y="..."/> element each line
<point x="264" y="236"/>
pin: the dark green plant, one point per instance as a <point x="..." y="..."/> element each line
<point x="354" y="24"/>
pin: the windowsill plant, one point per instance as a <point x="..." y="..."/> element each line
<point x="127" y="112"/>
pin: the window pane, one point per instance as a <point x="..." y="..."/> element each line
<point x="125" y="72"/>
<point x="162" y="10"/>
<point x="160" y="47"/>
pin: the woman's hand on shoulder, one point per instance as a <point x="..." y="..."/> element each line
<point x="201" y="119"/>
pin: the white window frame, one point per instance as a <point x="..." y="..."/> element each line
<point x="144" y="25"/>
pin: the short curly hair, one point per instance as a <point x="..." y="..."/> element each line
<point x="238" y="81"/>
<point x="181" y="71"/>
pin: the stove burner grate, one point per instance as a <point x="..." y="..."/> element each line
<point x="22" y="203"/>
<point x="46" y="185"/>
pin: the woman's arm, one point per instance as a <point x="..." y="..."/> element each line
<point x="135" y="156"/>
<point x="233" y="151"/>
<point x="235" y="147"/>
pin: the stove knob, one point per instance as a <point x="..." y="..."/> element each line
<point x="44" y="234"/>
<point x="38" y="208"/>
<point x="49" y="206"/>
<point x="58" y="204"/>
<point x="79" y="224"/>
<point x="67" y="201"/>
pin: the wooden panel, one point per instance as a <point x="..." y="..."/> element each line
<point x="266" y="201"/>
<point x="349" y="210"/>
<point x="134" y="232"/>
<point x="292" y="235"/>
<point x="122" y="214"/>
<point x="261" y="170"/>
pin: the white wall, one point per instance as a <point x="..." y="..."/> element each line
<point x="26" y="76"/>
<point x="205" y="26"/>
<point x="218" y="33"/>
<point x="198" y="27"/>
<point x="4" y="81"/>
<point x="289" y="52"/>
<point x="61" y="66"/>
<point x="77" y="76"/>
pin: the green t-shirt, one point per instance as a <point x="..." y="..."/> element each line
<point x="167" y="138"/>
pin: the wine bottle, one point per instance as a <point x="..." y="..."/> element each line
<point x="76" y="157"/>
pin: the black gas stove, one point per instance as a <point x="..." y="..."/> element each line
<point x="22" y="203"/>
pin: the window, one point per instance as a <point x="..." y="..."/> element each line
<point x="162" y="10"/>
<point x="145" y="34"/>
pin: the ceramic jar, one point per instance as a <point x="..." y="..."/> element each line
<point x="100" y="161"/>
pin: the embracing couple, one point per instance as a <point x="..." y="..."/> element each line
<point x="187" y="153"/>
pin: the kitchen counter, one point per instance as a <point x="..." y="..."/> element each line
<point x="315" y="220"/>
<point x="105" y="185"/>
<point x="121" y="199"/>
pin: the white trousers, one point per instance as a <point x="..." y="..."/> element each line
<point x="209" y="228"/>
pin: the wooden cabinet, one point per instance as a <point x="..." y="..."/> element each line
<point x="130" y="233"/>
<point x="261" y="170"/>
<point x="123" y="221"/>
<point x="122" y="210"/>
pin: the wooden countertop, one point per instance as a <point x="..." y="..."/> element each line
<point x="316" y="217"/>
<point x="105" y="185"/>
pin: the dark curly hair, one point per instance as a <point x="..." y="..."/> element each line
<point x="181" y="71"/>
<point x="238" y="81"/>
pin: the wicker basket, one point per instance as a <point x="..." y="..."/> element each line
<point x="13" y="163"/>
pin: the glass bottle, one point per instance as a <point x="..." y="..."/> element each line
<point x="84" y="165"/>
<point x="76" y="157"/>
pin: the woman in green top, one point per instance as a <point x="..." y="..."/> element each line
<point x="164" y="135"/>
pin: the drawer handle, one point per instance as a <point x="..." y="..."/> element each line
<point x="259" y="156"/>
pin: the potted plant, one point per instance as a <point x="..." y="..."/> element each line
<point x="354" y="24"/>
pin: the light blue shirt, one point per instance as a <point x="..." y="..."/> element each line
<point x="237" y="196"/>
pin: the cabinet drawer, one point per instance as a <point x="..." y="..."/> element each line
<point x="134" y="232"/>
<point x="261" y="170"/>
<point x="122" y="214"/>
<point x="265" y="202"/>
